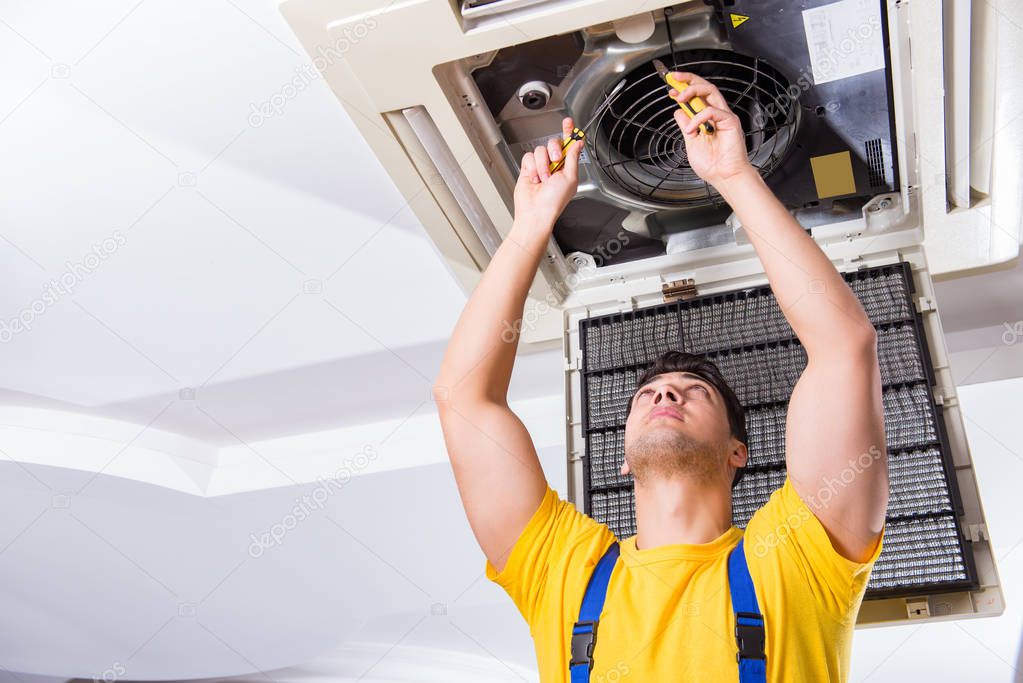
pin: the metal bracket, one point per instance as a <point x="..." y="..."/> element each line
<point x="977" y="533"/>
<point x="676" y="290"/>
<point x="923" y="305"/>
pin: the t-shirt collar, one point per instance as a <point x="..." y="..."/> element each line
<point x="679" y="551"/>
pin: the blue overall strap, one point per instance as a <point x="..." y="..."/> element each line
<point x="584" y="632"/>
<point x="749" y="622"/>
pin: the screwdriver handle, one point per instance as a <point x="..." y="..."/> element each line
<point x="693" y="106"/>
<point x="577" y="134"/>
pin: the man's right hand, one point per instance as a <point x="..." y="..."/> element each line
<point x="541" y="196"/>
<point x="492" y="455"/>
<point x="722" y="155"/>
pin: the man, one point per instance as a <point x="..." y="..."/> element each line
<point x="668" y="615"/>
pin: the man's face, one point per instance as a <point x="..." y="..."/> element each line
<point x="679" y="427"/>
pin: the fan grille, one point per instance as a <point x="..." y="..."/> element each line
<point x="640" y="149"/>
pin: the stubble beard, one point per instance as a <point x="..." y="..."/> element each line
<point x="660" y="454"/>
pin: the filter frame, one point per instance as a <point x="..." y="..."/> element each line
<point x="909" y="319"/>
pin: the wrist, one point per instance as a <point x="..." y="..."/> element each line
<point x="744" y="180"/>
<point x="530" y="231"/>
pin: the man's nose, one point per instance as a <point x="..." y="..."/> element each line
<point x="667" y="395"/>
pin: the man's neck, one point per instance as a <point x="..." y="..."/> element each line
<point x="680" y="511"/>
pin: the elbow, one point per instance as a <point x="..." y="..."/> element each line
<point x="853" y="342"/>
<point x="441" y="394"/>
<point x="869" y="337"/>
<point x="863" y="342"/>
<point x="859" y="340"/>
<point x="450" y="396"/>
<point x="466" y="391"/>
<point x="861" y="336"/>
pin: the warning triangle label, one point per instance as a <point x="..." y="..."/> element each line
<point x="738" y="20"/>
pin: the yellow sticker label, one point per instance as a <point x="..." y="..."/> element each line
<point x="738" y="19"/>
<point x="833" y="174"/>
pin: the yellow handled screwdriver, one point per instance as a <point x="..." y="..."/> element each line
<point x="693" y="106"/>
<point x="580" y="133"/>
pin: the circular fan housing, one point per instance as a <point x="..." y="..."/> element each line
<point x="638" y="145"/>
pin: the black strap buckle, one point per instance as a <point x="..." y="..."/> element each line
<point x="749" y="637"/>
<point x="582" y="644"/>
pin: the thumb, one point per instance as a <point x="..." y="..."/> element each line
<point x="575" y="150"/>
<point x="572" y="155"/>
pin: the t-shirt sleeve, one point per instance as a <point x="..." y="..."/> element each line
<point x="790" y="545"/>
<point x="556" y="537"/>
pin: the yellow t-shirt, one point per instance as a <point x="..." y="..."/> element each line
<point x="668" y="614"/>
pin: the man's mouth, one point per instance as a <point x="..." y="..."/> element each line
<point x="667" y="412"/>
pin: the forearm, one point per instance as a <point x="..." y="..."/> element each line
<point x="817" y="302"/>
<point x="480" y="356"/>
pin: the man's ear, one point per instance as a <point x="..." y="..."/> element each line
<point x="739" y="454"/>
<point x="625" y="468"/>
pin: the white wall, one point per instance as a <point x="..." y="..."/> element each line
<point x="117" y="579"/>
<point x="982" y="649"/>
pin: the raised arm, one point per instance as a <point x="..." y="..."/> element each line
<point x="836" y="453"/>
<point x="495" y="464"/>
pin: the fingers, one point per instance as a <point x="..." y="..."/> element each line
<point x="554" y="149"/>
<point x="703" y="90"/>
<point x="542" y="160"/>
<point x="702" y="87"/>
<point x="535" y="166"/>
<point x="690" y="127"/>
<point x="566" y="127"/>
<point x="571" y="168"/>
<point x="527" y="170"/>
<point x="571" y="165"/>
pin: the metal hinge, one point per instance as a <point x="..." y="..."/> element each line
<point x="677" y="290"/>
<point x="572" y="364"/>
<point x="977" y="532"/>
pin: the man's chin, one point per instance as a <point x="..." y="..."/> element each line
<point x="665" y="424"/>
<point x="665" y="451"/>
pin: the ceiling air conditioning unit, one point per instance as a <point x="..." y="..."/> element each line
<point x="648" y="257"/>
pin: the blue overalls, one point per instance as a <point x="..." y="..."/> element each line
<point x="749" y="622"/>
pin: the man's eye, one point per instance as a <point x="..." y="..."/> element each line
<point x="701" y="388"/>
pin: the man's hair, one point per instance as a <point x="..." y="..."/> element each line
<point x="680" y="361"/>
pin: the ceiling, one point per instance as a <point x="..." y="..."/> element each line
<point x="261" y="278"/>
<point x="279" y="254"/>
<point x="257" y="258"/>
